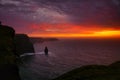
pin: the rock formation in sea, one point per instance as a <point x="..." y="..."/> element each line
<point x="8" y="67"/>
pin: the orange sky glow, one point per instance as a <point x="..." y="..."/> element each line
<point x="102" y="34"/>
<point x="73" y="31"/>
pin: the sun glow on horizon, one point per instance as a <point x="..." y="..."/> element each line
<point x="95" y="34"/>
<point x="68" y="30"/>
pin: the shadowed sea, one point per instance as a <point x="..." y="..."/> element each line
<point x="67" y="54"/>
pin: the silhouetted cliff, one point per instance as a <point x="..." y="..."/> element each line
<point x="8" y="67"/>
<point x="93" y="72"/>
<point x="6" y="44"/>
<point x="23" y="44"/>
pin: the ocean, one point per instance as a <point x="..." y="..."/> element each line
<point x="67" y="54"/>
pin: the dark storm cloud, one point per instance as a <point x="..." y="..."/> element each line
<point x="83" y="12"/>
<point x="100" y="12"/>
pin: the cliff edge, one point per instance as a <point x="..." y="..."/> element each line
<point x="23" y="44"/>
<point x="93" y="72"/>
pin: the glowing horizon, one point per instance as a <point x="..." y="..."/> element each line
<point x="95" y="34"/>
<point x="67" y="30"/>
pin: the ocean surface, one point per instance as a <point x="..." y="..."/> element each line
<point x="65" y="55"/>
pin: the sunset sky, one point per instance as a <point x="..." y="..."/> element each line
<point x="62" y="18"/>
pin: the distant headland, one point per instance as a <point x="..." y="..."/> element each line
<point x="41" y="40"/>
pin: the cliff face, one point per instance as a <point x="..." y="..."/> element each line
<point x="23" y="44"/>
<point x="6" y="45"/>
<point x="8" y="67"/>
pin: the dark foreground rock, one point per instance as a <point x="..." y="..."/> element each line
<point x="9" y="72"/>
<point x="8" y="67"/>
<point x="93" y="72"/>
<point x="23" y="44"/>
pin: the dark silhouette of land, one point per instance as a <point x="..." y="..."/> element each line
<point x="40" y="39"/>
<point x="11" y="47"/>
<point x="8" y="67"/>
<point x="23" y="44"/>
<point x="93" y="72"/>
